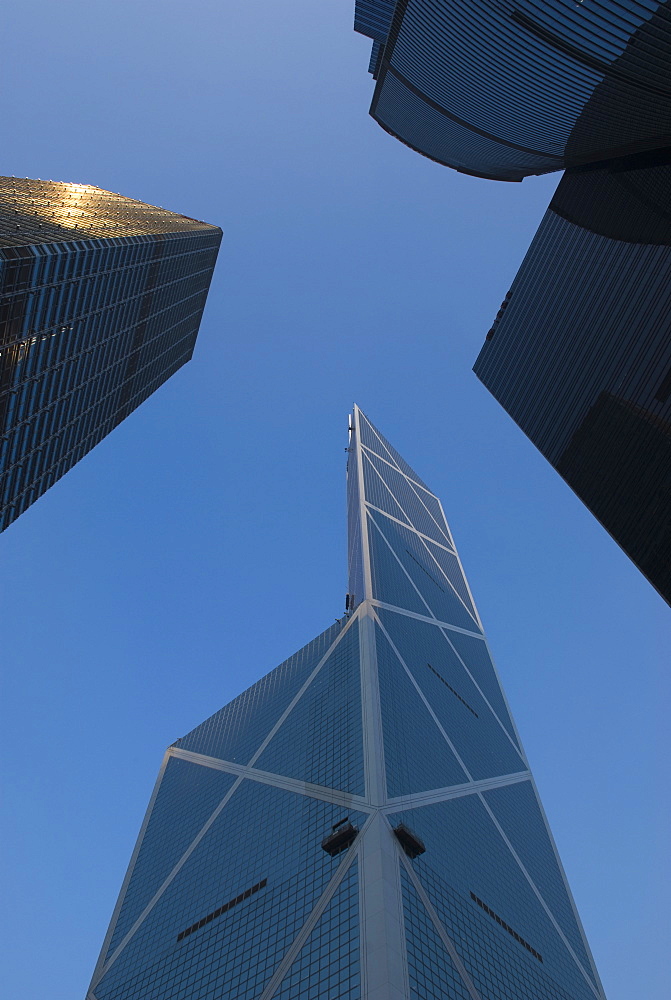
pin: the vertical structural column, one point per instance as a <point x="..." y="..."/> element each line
<point x="384" y="972"/>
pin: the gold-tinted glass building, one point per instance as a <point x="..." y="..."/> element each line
<point x="101" y="298"/>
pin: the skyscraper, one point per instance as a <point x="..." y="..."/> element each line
<point x="362" y="822"/>
<point x="101" y="298"/>
<point x="507" y="88"/>
<point x="580" y="353"/>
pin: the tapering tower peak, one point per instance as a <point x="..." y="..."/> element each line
<point x="362" y="821"/>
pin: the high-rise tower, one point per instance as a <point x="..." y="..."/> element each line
<point x="508" y="88"/>
<point x="101" y="298"/>
<point x="580" y="352"/>
<point x="362" y="822"/>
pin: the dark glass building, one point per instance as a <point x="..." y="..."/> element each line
<point x="100" y="302"/>
<point x="580" y="352"/>
<point x="361" y="823"/>
<point x="507" y="88"/>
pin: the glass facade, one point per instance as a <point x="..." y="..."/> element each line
<point x="268" y="866"/>
<point x="101" y="298"/>
<point x="580" y="353"/>
<point x="507" y="88"/>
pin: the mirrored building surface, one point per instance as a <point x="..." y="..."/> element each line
<point x="580" y="353"/>
<point x="507" y="88"/>
<point x="362" y="822"/>
<point x="101" y="298"/>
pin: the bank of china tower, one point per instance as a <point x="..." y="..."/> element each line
<point x="361" y="823"/>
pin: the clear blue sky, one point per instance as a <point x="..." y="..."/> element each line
<point x="204" y="540"/>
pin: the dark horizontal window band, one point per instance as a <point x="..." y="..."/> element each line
<point x="222" y="909"/>
<point x="385" y="67"/>
<point x="506" y="927"/>
<point x="593" y="62"/>
<point x="455" y="693"/>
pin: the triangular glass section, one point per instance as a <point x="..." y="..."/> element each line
<point x="489" y="910"/>
<point x="321" y="740"/>
<point x="451" y="568"/>
<point x="416" y="754"/>
<point x="371" y="437"/>
<point x="480" y="740"/>
<point x="475" y="656"/>
<point x="237" y="730"/>
<point x="436" y="595"/>
<point x="187" y="796"/>
<point x="391" y="492"/>
<point x="228" y="917"/>
<point x="377" y="491"/>
<point x="517" y="810"/>
<point x="390" y="584"/>
<point x="431" y="972"/>
<point x="327" y="967"/>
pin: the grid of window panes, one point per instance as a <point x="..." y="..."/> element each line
<point x="414" y="564"/>
<point x="321" y="739"/>
<point x="236" y="731"/>
<point x="262" y="835"/>
<point x="328" y="966"/>
<point x="466" y="856"/>
<point x="424" y="654"/>
<point x="580" y="354"/>
<point x="89" y="328"/>
<point x="33" y="212"/>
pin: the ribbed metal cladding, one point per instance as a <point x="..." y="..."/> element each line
<point x="508" y="88"/>
<point x="101" y="298"/>
<point x="580" y="354"/>
<point x="373" y="18"/>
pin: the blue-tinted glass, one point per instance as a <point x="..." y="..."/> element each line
<point x="187" y="797"/>
<point x="439" y="597"/>
<point x="517" y="810"/>
<point x="480" y="741"/>
<point x="417" y="756"/>
<point x="449" y="564"/>
<point x="392" y="492"/>
<point x="237" y="730"/>
<point x="262" y="833"/>
<point x="222" y="887"/>
<point x="499" y="969"/>
<point x="377" y="489"/>
<point x="504" y="90"/>
<point x="320" y="740"/>
<point x="371" y="437"/>
<point x="580" y="355"/>
<point x="390" y="583"/>
<point x="327" y="967"/>
<point x="475" y="656"/>
<point x="466" y="854"/>
<point x="431" y="972"/>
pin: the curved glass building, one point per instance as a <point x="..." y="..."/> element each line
<point x="507" y="88"/>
